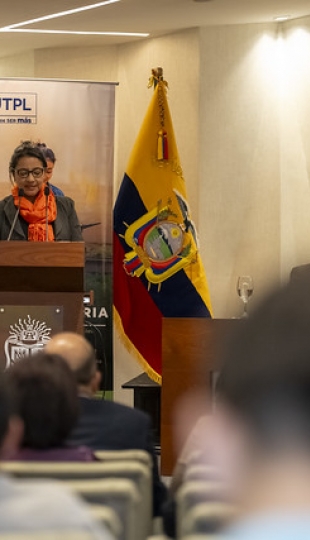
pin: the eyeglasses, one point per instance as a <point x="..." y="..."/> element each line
<point x="37" y="172"/>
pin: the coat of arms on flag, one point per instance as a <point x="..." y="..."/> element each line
<point x="157" y="267"/>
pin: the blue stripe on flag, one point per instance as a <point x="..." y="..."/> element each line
<point x="177" y="296"/>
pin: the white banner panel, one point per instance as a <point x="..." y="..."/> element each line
<point x="76" y="120"/>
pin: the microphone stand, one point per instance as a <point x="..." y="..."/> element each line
<point x="46" y="193"/>
<point x="20" y="194"/>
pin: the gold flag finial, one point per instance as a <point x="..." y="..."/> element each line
<point x="156" y="77"/>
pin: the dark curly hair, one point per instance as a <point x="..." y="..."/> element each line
<point x="47" y="152"/>
<point x="26" y="148"/>
<point x="47" y="399"/>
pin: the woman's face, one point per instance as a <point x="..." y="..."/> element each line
<point x="31" y="183"/>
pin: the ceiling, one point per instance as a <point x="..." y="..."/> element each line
<point x="156" y="17"/>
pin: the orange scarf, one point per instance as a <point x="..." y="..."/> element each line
<point x="35" y="214"/>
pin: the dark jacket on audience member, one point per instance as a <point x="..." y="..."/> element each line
<point x="107" y="425"/>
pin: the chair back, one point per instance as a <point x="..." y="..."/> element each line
<point x="207" y="518"/>
<point x="118" y="494"/>
<point x="142" y="456"/>
<point x="192" y="493"/>
<point x="204" y="473"/>
<point x="133" y="470"/>
<point x="202" y="537"/>
<point x="57" y="534"/>
<point x="109" y="518"/>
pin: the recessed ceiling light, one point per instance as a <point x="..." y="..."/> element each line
<point x="75" y="32"/>
<point x="60" y="14"/>
<point x="281" y="18"/>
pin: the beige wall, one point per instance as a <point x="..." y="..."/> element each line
<point x="239" y="99"/>
<point x="239" y="166"/>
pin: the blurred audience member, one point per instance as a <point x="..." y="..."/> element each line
<point x="261" y="430"/>
<point x="194" y="452"/>
<point x="46" y="395"/>
<point x="105" y="425"/>
<point x="192" y="417"/>
<point x="35" y="505"/>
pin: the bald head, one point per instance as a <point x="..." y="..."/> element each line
<point x="77" y="352"/>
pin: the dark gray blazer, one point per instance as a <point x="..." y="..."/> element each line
<point x="66" y="226"/>
<point x="108" y="425"/>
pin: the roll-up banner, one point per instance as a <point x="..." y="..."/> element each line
<point x="76" y="120"/>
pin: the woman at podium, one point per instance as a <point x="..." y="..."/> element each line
<point x="32" y="212"/>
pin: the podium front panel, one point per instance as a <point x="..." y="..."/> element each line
<point x="49" y="278"/>
<point x="71" y="303"/>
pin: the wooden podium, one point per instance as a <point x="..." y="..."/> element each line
<point x="43" y="274"/>
<point x="189" y="348"/>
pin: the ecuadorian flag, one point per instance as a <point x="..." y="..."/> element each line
<point x="157" y="267"/>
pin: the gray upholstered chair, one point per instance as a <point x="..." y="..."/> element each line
<point x="193" y="493"/>
<point x="141" y="456"/>
<point x="206" y="518"/>
<point x="138" y="472"/>
<point x="118" y="494"/>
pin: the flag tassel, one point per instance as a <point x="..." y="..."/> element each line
<point x="160" y="152"/>
<point x="165" y="145"/>
<point x="162" y="145"/>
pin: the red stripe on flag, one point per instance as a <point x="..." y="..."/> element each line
<point x="141" y="319"/>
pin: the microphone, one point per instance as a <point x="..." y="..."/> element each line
<point x="46" y="193"/>
<point x="87" y="225"/>
<point x="20" y="194"/>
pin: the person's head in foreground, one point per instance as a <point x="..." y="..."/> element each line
<point x="38" y="506"/>
<point x="261" y="426"/>
<point x="80" y="356"/>
<point x="46" y="396"/>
